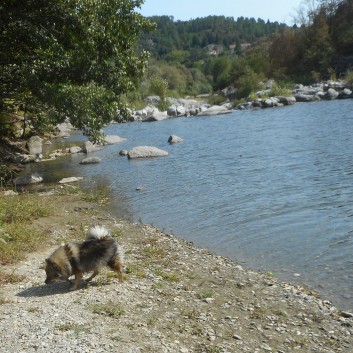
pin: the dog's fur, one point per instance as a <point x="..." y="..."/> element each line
<point x="99" y="249"/>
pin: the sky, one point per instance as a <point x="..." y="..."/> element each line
<point x="282" y="11"/>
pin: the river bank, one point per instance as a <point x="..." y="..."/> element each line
<point x="175" y="298"/>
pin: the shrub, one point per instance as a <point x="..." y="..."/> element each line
<point x="349" y="77"/>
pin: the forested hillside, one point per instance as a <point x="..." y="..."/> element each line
<point x="88" y="59"/>
<point x="205" y="55"/>
<point x="198" y="33"/>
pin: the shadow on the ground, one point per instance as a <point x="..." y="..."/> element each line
<point x="60" y="287"/>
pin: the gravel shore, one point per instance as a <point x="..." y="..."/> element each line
<point x="175" y="298"/>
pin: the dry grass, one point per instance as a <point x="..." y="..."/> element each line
<point x="16" y="214"/>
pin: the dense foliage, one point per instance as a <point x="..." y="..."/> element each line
<point x="69" y="58"/>
<point x="198" y="33"/>
<point x="321" y="48"/>
<point x="86" y="59"/>
<point x="248" y="51"/>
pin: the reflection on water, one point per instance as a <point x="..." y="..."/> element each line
<point x="269" y="188"/>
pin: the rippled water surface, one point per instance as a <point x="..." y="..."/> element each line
<point x="272" y="189"/>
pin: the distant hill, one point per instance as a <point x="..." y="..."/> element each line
<point x="200" y="33"/>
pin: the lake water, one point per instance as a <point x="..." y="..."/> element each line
<point x="271" y="189"/>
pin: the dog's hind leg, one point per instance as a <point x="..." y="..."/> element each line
<point x="94" y="274"/>
<point x="78" y="278"/>
<point x="117" y="267"/>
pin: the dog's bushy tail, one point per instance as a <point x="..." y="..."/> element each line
<point x="97" y="232"/>
<point x="120" y="251"/>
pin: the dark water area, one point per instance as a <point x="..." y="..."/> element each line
<point x="271" y="188"/>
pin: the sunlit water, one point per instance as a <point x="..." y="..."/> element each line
<point x="272" y="189"/>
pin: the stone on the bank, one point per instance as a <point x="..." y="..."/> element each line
<point x="64" y="128"/>
<point x="305" y="97"/>
<point x="28" y="179"/>
<point x="181" y="111"/>
<point x="268" y="103"/>
<point x="146" y="152"/>
<point x="156" y="116"/>
<point x="172" y="110"/>
<point x="70" y="180"/>
<point x="10" y="193"/>
<point x="34" y="145"/>
<point x="90" y="160"/>
<point x="23" y="158"/>
<point x="344" y="94"/>
<point x="174" y="139"/>
<point x="215" y="110"/>
<point x="331" y="94"/>
<point x="286" y="100"/>
<point x="153" y="100"/>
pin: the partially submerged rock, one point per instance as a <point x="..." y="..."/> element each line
<point x="174" y="139"/>
<point x="123" y="153"/>
<point x="75" y="149"/>
<point x="113" y="139"/>
<point x="90" y="160"/>
<point x="28" y="179"/>
<point x="88" y="147"/>
<point x="70" y="180"/>
<point x="23" y="158"/>
<point x="146" y="152"/>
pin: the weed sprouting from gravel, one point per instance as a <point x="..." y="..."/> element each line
<point x="107" y="309"/>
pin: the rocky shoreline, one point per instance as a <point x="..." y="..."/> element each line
<point x="32" y="150"/>
<point x="175" y="298"/>
<point x="329" y="90"/>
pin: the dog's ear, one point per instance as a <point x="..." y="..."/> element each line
<point x="44" y="264"/>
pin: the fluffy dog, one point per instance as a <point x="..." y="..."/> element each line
<point x="98" y="250"/>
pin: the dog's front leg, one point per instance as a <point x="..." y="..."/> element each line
<point x="94" y="274"/>
<point x="78" y="278"/>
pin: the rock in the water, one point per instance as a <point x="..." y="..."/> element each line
<point x="88" y="147"/>
<point x="90" y="160"/>
<point x="113" y="139"/>
<point x="75" y="149"/>
<point x="146" y="152"/>
<point x="174" y="139"/>
<point x="28" y="179"/>
<point x="70" y="180"/>
<point x="123" y="153"/>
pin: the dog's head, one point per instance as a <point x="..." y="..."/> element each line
<point x="52" y="270"/>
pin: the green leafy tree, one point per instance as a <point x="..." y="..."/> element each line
<point x="159" y="87"/>
<point x="69" y="58"/>
<point x="319" y="51"/>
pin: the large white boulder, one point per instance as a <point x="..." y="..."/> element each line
<point x="34" y="145"/>
<point x="146" y="152"/>
<point x="215" y="110"/>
